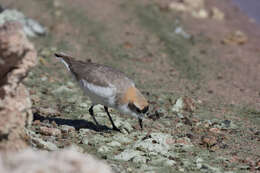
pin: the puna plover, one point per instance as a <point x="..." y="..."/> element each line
<point x="108" y="87"/>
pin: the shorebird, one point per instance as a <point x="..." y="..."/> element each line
<point x="108" y="87"/>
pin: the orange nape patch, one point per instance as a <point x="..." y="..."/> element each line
<point x="134" y="95"/>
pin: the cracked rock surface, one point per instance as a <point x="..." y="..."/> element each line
<point x="17" y="57"/>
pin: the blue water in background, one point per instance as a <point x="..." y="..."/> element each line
<point x="251" y="7"/>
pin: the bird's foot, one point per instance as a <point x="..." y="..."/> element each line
<point x="116" y="129"/>
<point x="140" y="123"/>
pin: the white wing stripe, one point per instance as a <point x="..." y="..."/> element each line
<point x="105" y="92"/>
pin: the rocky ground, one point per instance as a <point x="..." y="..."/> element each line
<point x="196" y="61"/>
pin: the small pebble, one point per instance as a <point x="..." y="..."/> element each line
<point x="50" y="131"/>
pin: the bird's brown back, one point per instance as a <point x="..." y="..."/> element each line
<point x="97" y="74"/>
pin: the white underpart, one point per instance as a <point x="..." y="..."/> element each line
<point x="98" y="94"/>
<point x="106" y="96"/>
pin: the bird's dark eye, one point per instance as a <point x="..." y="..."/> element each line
<point x="145" y="109"/>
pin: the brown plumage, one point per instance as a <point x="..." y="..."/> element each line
<point x="107" y="86"/>
<point x="95" y="73"/>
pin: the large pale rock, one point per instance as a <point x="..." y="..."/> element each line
<point x="64" y="161"/>
<point x="30" y="27"/>
<point x="17" y="56"/>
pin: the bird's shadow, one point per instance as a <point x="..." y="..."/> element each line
<point x="77" y="123"/>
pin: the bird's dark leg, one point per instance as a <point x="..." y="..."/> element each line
<point x="114" y="126"/>
<point x="140" y="122"/>
<point x="91" y="112"/>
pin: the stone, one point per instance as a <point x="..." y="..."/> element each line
<point x="36" y="28"/>
<point x="202" y="14"/>
<point x="57" y="3"/>
<point x="194" y="4"/>
<point x="104" y="149"/>
<point x="128" y="154"/>
<point x="84" y="131"/>
<point x="187" y="5"/>
<point x="217" y="14"/>
<point x="18" y="57"/>
<point x="45" y="52"/>
<point x="123" y="125"/>
<point x="100" y="109"/>
<point x="169" y="163"/>
<point x="208" y="141"/>
<point x="77" y="148"/>
<point x="157" y="143"/>
<point x="67" y="128"/>
<point x="62" y="89"/>
<point x="63" y="161"/>
<point x="215" y="130"/>
<point x="180" y="115"/>
<point x="85" y="140"/>
<point x="140" y="159"/>
<point x="84" y="105"/>
<point x="97" y="138"/>
<point x="121" y="138"/>
<point x="184" y="104"/>
<point x="129" y="170"/>
<point x="237" y="38"/>
<point x="178" y="106"/>
<point x="30" y="27"/>
<point x="178" y="125"/>
<point x="178" y="6"/>
<point x="194" y="7"/>
<point x="50" y="131"/>
<point x="48" y="111"/>
<point x="44" y="78"/>
<point x="184" y="141"/>
<point x="114" y="144"/>
<point x="163" y="161"/>
<point x="179" y="31"/>
<point x="44" y="144"/>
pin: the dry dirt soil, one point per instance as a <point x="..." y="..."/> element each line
<point x="138" y="37"/>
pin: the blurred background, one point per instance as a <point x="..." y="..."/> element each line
<point x="197" y="62"/>
<point x="250" y="8"/>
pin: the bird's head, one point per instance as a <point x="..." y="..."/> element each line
<point x="136" y="102"/>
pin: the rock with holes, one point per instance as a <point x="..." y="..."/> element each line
<point x="17" y="57"/>
<point x="63" y="161"/>
<point x="30" y="27"/>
